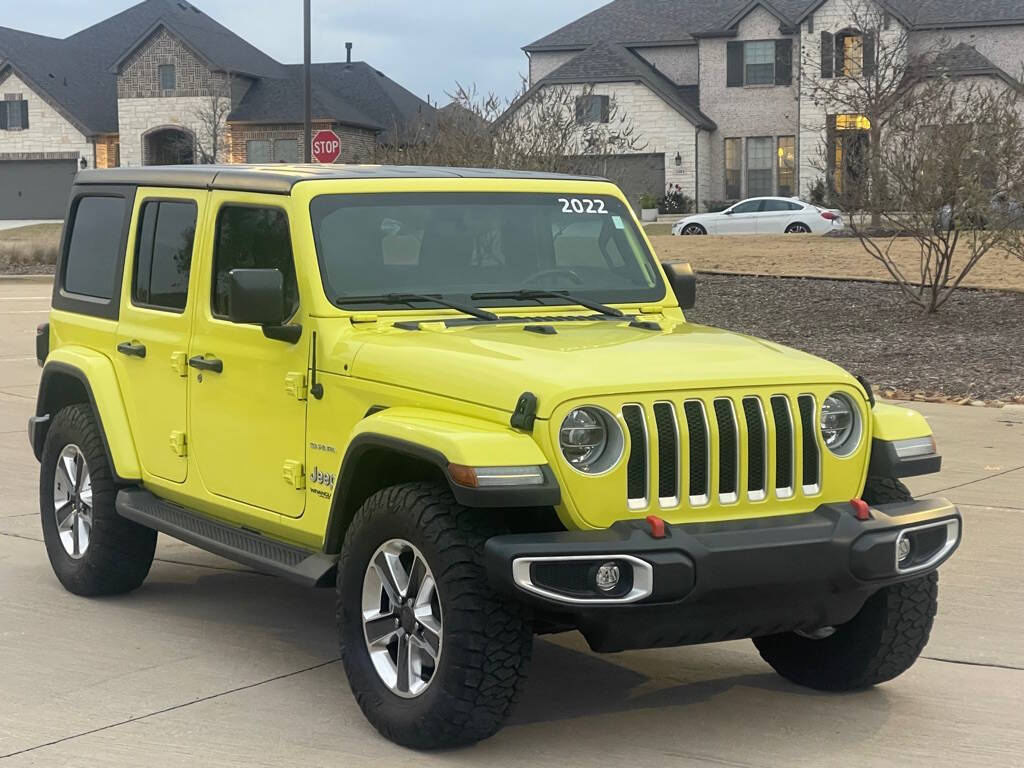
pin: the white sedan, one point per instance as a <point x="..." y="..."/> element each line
<point x="763" y="216"/>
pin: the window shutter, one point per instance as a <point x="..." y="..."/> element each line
<point x="784" y="62"/>
<point x="24" y="114"/>
<point x="869" y="41"/>
<point x="734" y="59"/>
<point x="605" y="109"/>
<point x="828" y="54"/>
<point x="3" y="115"/>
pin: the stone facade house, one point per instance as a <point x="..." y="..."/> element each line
<point x="720" y="90"/>
<point x="163" y="83"/>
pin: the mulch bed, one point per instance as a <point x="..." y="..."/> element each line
<point x="27" y="269"/>
<point x="972" y="350"/>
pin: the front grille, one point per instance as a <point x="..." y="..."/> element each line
<point x="722" y="450"/>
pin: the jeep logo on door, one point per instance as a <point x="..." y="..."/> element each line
<point x="326" y="146"/>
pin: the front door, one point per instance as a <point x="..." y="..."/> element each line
<point x="741" y="220"/>
<point x="247" y="410"/>
<point x="154" y="325"/>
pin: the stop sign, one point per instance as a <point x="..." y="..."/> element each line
<point x="326" y="146"/>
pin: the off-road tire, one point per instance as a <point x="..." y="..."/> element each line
<point x="487" y="640"/>
<point x="120" y="552"/>
<point x="878" y="644"/>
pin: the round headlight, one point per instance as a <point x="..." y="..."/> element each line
<point x="590" y="440"/>
<point x="840" y="424"/>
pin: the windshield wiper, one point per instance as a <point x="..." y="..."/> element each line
<point x="410" y="298"/>
<point x="525" y="294"/>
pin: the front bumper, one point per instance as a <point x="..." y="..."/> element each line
<point x="705" y="582"/>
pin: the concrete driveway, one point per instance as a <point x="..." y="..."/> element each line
<point x="211" y="664"/>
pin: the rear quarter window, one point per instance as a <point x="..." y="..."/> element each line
<point x="94" y="247"/>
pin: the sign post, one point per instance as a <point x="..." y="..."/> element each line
<point x="326" y="146"/>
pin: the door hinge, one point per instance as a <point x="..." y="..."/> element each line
<point x="179" y="362"/>
<point x="294" y="474"/>
<point x="295" y="385"/>
<point x="178" y="443"/>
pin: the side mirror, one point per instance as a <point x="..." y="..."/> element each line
<point x="256" y="296"/>
<point x="727" y="212"/>
<point x="683" y="282"/>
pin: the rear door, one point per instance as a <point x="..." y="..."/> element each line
<point x="155" y="324"/>
<point x="741" y="219"/>
<point x="775" y="216"/>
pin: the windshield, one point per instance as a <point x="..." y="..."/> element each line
<point x="463" y="244"/>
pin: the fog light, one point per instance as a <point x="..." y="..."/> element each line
<point x="607" y="577"/>
<point x="903" y="549"/>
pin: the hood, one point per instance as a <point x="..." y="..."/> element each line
<point x="493" y="364"/>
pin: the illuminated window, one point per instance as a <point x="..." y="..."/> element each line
<point x="733" y="168"/>
<point x="787" y="166"/>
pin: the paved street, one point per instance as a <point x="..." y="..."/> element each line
<point x="211" y="664"/>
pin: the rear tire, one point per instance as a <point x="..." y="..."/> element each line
<point x="798" y="229"/>
<point x="92" y="549"/>
<point x="880" y="643"/>
<point x="475" y="677"/>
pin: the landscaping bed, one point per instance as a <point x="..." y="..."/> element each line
<point x="29" y="250"/>
<point x="970" y="351"/>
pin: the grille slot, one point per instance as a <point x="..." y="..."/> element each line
<point x="728" y="451"/>
<point x="757" y="449"/>
<point x="783" y="446"/>
<point x="697" y="430"/>
<point x="668" y="454"/>
<point x="812" y="460"/>
<point x="636" y="467"/>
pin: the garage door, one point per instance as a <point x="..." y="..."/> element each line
<point x="35" y="189"/>
<point x="636" y="175"/>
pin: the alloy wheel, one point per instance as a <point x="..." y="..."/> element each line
<point x="72" y="501"/>
<point x="693" y="229"/>
<point x="402" y="620"/>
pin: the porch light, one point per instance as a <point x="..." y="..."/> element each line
<point x="679" y="160"/>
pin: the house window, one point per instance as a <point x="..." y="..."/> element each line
<point x="286" y="151"/>
<point x="259" y="151"/>
<point x="168" y="77"/>
<point x="759" y="167"/>
<point x="13" y="113"/>
<point x="851" y="49"/>
<point x="787" y="166"/>
<point x="733" y="168"/>
<point x="759" y="63"/>
<point x="592" y="109"/>
<point x="848" y="54"/>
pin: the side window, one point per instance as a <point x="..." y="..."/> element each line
<point x="163" y="254"/>
<point x="774" y="206"/>
<point x="92" y="258"/>
<point x="252" y="238"/>
<point x="751" y="206"/>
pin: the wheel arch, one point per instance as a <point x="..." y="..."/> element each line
<point x="73" y="376"/>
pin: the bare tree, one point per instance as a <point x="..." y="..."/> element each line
<point x="211" y="121"/>
<point x="547" y="129"/>
<point x="869" y="72"/>
<point x="955" y="175"/>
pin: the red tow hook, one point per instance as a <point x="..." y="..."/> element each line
<point x="657" y="526"/>
<point x="861" y="509"/>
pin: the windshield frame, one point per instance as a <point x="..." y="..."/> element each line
<point x="657" y="294"/>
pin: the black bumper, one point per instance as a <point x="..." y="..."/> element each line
<point x="705" y="582"/>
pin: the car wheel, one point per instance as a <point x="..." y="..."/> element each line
<point x="92" y="549"/>
<point x="798" y="229"/>
<point x="434" y="657"/>
<point x="693" y="229"/>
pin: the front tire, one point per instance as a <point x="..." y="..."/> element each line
<point x="449" y="667"/>
<point x="693" y="229"/>
<point x="92" y="549"/>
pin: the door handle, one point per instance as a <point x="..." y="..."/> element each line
<point x="132" y="349"/>
<point x="206" y="363"/>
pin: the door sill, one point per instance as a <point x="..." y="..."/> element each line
<point x="242" y="545"/>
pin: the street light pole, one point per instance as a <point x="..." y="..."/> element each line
<point x="307" y="86"/>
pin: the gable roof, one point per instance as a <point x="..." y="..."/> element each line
<point x="613" y="63"/>
<point x="353" y="93"/>
<point x="639" y="23"/>
<point x="965" y="61"/>
<point x="78" y="75"/>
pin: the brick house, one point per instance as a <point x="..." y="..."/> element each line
<point x="146" y="86"/>
<point x="715" y="87"/>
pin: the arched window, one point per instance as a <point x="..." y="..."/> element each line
<point x="849" y="53"/>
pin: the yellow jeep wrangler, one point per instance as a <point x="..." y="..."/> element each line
<point x="470" y="400"/>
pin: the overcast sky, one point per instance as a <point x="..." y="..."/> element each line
<point x="426" y="45"/>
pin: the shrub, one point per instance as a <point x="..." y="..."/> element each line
<point x="818" y="194"/>
<point x="647" y="202"/>
<point x="675" y="201"/>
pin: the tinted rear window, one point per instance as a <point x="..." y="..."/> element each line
<point x="163" y="256"/>
<point x="93" y="249"/>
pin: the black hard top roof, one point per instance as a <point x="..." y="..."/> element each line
<point x="279" y="179"/>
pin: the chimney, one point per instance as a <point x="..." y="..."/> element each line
<point x="348" y="53"/>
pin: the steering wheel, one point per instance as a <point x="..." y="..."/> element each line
<point x="572" y="275"/>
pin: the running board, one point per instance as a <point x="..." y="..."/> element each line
<point x="243" y="546"/>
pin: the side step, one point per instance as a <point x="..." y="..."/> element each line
<point x="248" y="547"/>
